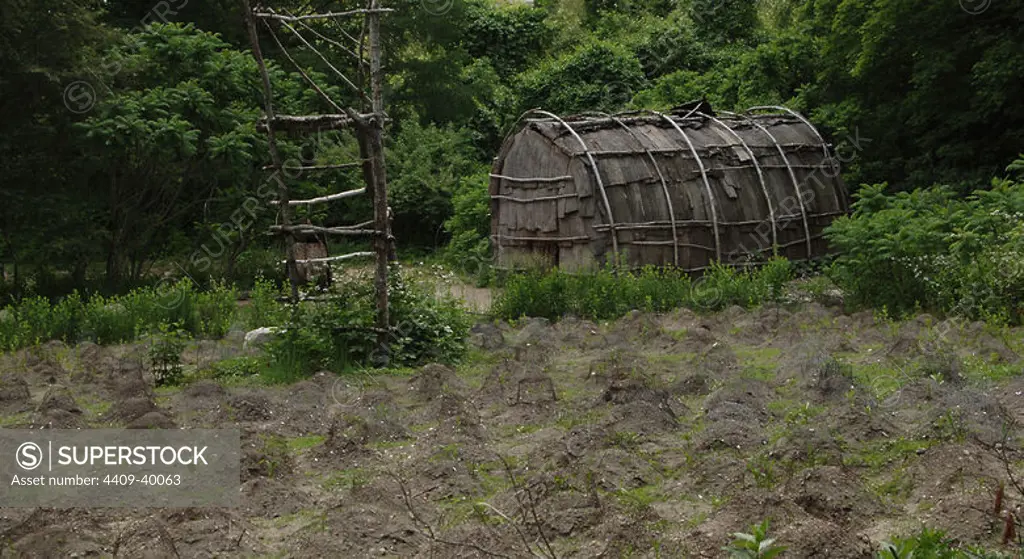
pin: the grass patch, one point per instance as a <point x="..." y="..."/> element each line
<point x="348" y="479"/>
<point x="881" y="379"/>
<point x="980" y="369"/>
<point x="609" y="294"/>
<point x="637" y="501"/>
<point x="301" y="444"/>
<point x="882" y="454"/>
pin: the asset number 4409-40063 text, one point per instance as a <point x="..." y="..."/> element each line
<point x="151" y="479"/>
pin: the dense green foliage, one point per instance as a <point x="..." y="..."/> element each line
<point x="340" y="336"/>
<point x="108" y="320"/>
<point x="130" y="148"/>
<point x="933" y="249"/>
<point x="607" y="294"/>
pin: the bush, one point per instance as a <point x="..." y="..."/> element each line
<point x="426" y="165"/>
<point x="469" y="250"/>
<point x="264" y="309"/>
<point x="608" y="294"/>
<point x="340" y="335"/>
<point x="597" y="76"/>
<point x="931" y="249"/>
<point x="165" y="354"/>
<point x="110" y="320"/>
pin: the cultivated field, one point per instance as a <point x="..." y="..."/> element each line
<point x="652" y="436"/>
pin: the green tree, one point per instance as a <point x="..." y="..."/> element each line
<point x="45" y="46"/>
<point x="598" y="76"/>
<point x="935" y="87"/>
<point x="176" y="135"/>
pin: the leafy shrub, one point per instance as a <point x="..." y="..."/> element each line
<point x="596" y="76"/>
<point x="607" y="294"/>
<point x="931" y="249"/>
<point x="165" y="354"/>
<point x="264" y="309"/>
<point x="340" y="335"/>
<point x="110" y="320"/>
<point x="470" y="227"/>
<point x="755" y="545"/>
<point x="426" y="166"/>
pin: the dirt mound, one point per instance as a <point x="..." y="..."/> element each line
<point x="581" y="439"/>
<point x="349" y="433"/>
<point x="815" y="537"/>
<point x="48" y="371"/>
<point x="533" y="331"/>
<point x="458" y="416"/>
<point x="735" y="416"/>
<point x="265" y="457"/>
<point x="695" y="384"/>
<point x="640" y="408"/>
<point x="57" y="533"/>
<point x="832" y="493"/>
<point x="205" y="391"/>
<point x="801" y="445"/>
<point x="270" y="497"/>
<point x="128" y="380"/>
<point x="859" y="424"/>
<point x="58" y="398"/>
<point x="432" y="380"/>
<point x="57" y="410"/>
<point x="249" y="407"/>
<point x="486" y="336"/>
<point x="130" y="409"/>
<point x="14" y="393"/>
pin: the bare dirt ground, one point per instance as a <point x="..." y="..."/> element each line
<point x="652" y="436"/>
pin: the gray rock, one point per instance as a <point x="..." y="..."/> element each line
<point x="260" y="336"/>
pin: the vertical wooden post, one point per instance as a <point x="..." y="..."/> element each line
<point x="375" y="148"/>
<point x="275" y="155"/>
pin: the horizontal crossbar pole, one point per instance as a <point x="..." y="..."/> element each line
<point x="532" y="179"/>
<point x="322" y="199"/>
<point x="700" y="223"/>
<point x="307" y="123"/>
<point x="541" y="239"/>
<point x="668" y="244"/>
<point x="333" y="258"/>
<point x="528" y="200"/>
<point x="327" y="15"/>
<point x="300" y="229"/>
<point x="315" y="167"/>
